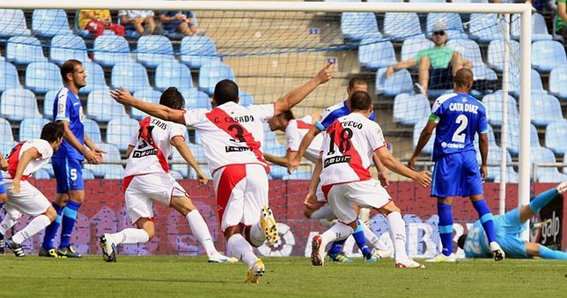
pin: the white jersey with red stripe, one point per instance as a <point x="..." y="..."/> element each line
<point x="231" y="133"/>
<point x="42" y="146"/>
<point x="295" y="131"/>
<point x="152" y="146"/>
<point x="348" y="146"/>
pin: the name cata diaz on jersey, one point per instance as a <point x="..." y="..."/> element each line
<point x="460" y="107"/>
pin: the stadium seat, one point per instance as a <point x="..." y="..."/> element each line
<point x="547" y="54"/>
<point x="428" y="148"/>
<point x="399" y="82"/>
<point x="95" y="78"/>
<point x="18" y="104"/>
<point x="514" y="82"/>
<point x="13" y="23"/>
<point x="359" y="25"/>
<point x="469" y="49"/>
<point x="513" y="135"/>
<point x="298" y="175"/>
<point x="88" y="174"/>
<point x="31" y="128"/>
<point x="65" y="47"/>
<point x="557" y="79"/>
<point x="111" y="49"/>
<point x="8" y="76"/>
<point x="484" y="27"/>
<point x="555" y="136"/>
<point x="384" y="1"/>
<point x="130" y="75"/>
<point x="409" y="109"/>
<point x="152" y="50"/>
<point x="147" y="95"/>
<point x="49" y="22"/>
<point x="493" y="104"/>
<point x="496" y="54"/>
<point x="245" y="98"/>
<point x="198" y="153"/>
<point x="93" y="130"/>
<point x="41" y="174"/>
<point x="6" y="136"/>
<point x="173" y="73"/>
<point x="534" y="137"/>
<point x="277" y="172"/>
<point x="411" y="47"/>
<point x="545" y="109"/>
<point x="211" y="73"/>
<point x="111" y="166"/>
<point x="48" y="100"/>
<point x="539" y="28"/>
<point x="451" y="21"/>
<point x="376" y="53"/>
<point x="197" y="50"/>
<point x="43" y="76"/>
<point x="494" y="157"/>
<point x="400" y="26"/>
<point x="101" y="107"/>
<point x="546" y="174"/>
<point x="195" y="99"/>
<point x="120" y="130"/>
<point x="24" y="50"/>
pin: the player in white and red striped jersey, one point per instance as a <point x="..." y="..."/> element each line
<point x="147" y="178"/>
<point x="349" y="146"/>
<point x="23" y="198"/>
<point x="232" y="136"/>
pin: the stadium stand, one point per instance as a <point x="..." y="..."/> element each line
<point x="43" y="76"/>
<point x="30" y="128"/>
<point x="101" y="107"/>
<point x="18" y="104"/>
<point x="546" y="54"/>
<point x="195" y="99"/>
<point x="95" y="77"/>
<point x="555" y="135"/>
<point x="409" y="109"/>
<point x="23" y="50"/>
<point x="484" y="27"/>
<point x="557" y="79"/>
<point x="545" y="109"/>
<point x="197" y="50"/>
<point x="173" y="73"/>
<point x="119" y="132"/>
<point x="111" y="49"/>
<point x="49" y="22"/>
<point x="213" y="72"/>
<point x="148" y="95"/>
<point x="8" y="76"/>
<point x="153" y="50"/>
<point x="375" y="53"/>
<point x="13" y="23"/>
<point x="393" y="30"/>
<point x="65" y="47"/>
<point x="130" y="75"/>
<point x="6" y="136"/>
<point x="351" y="22"/>
<point x="399" y="82"/>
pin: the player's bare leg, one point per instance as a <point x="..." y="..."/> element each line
<point x="242" y="249"/>
<point x="37" y="224"/>
<point x="108" y="242"/>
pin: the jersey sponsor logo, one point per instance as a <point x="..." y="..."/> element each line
<point x="463" y="107"/>
<point x="147" y="146"/>
<point x="236" y="149"/>
<point x="144" y="153"/>
<point x="335" y="160"/>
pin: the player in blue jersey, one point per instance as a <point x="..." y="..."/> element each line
<point x="457" y="118"/>
<point x="67" y="109"/>
<point x="508" y="227"/>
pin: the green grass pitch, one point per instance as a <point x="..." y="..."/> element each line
<point x="170" y="276"/>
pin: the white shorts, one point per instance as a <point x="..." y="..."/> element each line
<point x="140" y="191"/>
<point x="29" y="201"/>
<point x="320" y="195"/>
<point x="366" y="194"/>
<point x="242" y="192"/>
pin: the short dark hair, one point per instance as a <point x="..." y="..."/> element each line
<point x="172" y="98"/>
<point x="356" y="81"/>
<point x="69" y="67"/>
<point x="287" y="115"/>
<point x="461" y="241"/>
<point x="225" y="91"/>
<point x="463" y="77"/>
<point x="52" y="131"/>
<point x="360" y="101"/>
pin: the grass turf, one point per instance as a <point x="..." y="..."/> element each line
<point x="170" y="276"/>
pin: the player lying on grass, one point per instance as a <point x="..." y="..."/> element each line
<point x="508" y="228"/>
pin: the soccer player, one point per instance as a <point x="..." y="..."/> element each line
<point x="349" y="145"/>
<point x="147" y="178"/>
<point x="508" y="227"/>
<point x="67" y="161"/>
<point x="3" y="167"/>
<point x="458" y="117"/>
<point x="230" y="134"/>
<point x="23" y="198"/>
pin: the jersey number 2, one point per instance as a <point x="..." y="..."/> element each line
<point x="459" y="135"/>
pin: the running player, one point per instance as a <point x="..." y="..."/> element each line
<point x="148" y="178"/>
<point x="348" y="148"/>
<point x="458" y="117"/>
<point x="230" y="134"/>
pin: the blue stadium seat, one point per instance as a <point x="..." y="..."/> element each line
<point x="173" y="73"/>
<point x="514" y="82"/>
<point x="409" y="109"/>
<point x="298" y="175"/>
<point x="152" y="50"/>
<point x="8" y="76"/>
<point x="195" y="99"/>
<point x="211" y="73"/>
<point x="65" y="47"/>
<point x="496" y="56"/>
<point x="88" y="174"/>
<point x="484" y="27"/>
<point x="31" y="128"/>
<point x="6" y="136"/>
<point x="359" y="25"/>
<point x="513" y="135"/>
<point x="545" y="109"/>
<point x="93" y="130"/>
<point x="48" y="100"/>
<point x="399" y="82"/>
<point x="428" y="148"/>
<point x="245" y="98"/>
<point x="493" y="104"/>
<point x="13" y="23"/>
<point x="111" y="49"/>
<point x="198" y="153"/>
<point x="49" y="169"/>
<point x="494" y="157"/>
<point x="555" y="136"/>
<point x="18" y="104"/>
<point x="198" y="50"/>
<point x="102" y="108"/>
<point x="376" y="53"/>
<point x="547" y="54"/>
<point x="470" y="50"/>
<point x="539" y="28"/>
<point x="400" y="26"/>
<point x="411" y="47"/>
<point x="546" y="174"/>
<point x="130" y="75"/>
<point x="24" y="50"/>
<point x="147" y="95"/>
<point x="110" y="168"/>
<point x="384" y="1"/>
<point x="120" y="130"/>
<point x="534" y="137"/>
<point x="451" y="21"/>
<point x="95" y="78"/>
<point x="557" y="79"/>
<point x="277" y="172"/>
<point x="43" y="76"/>
<point x="49" y="22"/>
<point x="41" y="174"/>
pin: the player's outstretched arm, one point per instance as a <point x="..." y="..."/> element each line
<point x="185" y="152"/>
<point x="124" y="97"/>
<point x="305" y="142"/>
<point x="278" y="160"/>
<point x="89" y="155"/>
<point x="311" y="197"/>
<point x="423" y="139"/>
<point x="382" y="171"/>
<point x="295" y="96"/>
<point x="423" y="178"/>
<point x="483" y="146"/>
<point x="23" y="162"/>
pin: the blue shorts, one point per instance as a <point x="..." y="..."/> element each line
<point x="68" y="174"/>
<point x="508" y="228"/>
<point x="2" y="187"/>
<point x="456" y="175"/>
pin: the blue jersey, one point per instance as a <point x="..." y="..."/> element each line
<point x="67" y="106"/>
<point x="333" y="113"/>
<point x="459" y="116"/>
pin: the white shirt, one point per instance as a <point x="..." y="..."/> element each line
<point x="42" y="147"/>
<point x="131" y="14"/>
<point x="295" y="131"/>
<point x="354" y="139"/>
<point x="231" y="133"/>
<point x="152" y="146"/>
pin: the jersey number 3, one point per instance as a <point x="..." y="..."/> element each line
<point x="459" y="135"/>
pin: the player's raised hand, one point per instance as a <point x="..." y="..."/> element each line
<point x="423" y="178"/>
<point x="202" y="177"/>
<point x="122" y="96"/>
<point x="292" y="165"/>
<point x="91" y="157"/>
<point x="325" y="74"/>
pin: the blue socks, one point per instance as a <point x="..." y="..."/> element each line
<point x="547" y="253"/>
<point x="337" y="247"/>
<point x="360" y="240"/>
<point x="68" y="223"/>
<point x="543" y="199"/>
<point x="51" y="229"/>
<point x="485" y="217"/>
<point x="445" y="227"/>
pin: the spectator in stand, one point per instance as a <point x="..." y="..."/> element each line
<point x="142" y="21"/>
<point x="176" y="22"/>
<point x="97" y="20"/>
<point x="560" y="28"/>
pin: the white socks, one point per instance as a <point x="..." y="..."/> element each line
<point x="130" y="236"/>
<point x="398" y="234"/>
<point x="241" y="249"/>
<point x="325" y="212"/>
<point x="339" y="231"/>
<point x="37" y="224"/>
<point x="257" y="235"/>
<point x="10" y="219"/>
<point x="372" y="239"/>
<point x="201" y="232"/>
